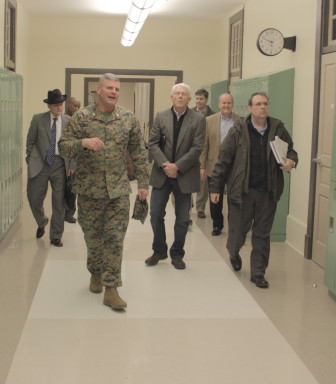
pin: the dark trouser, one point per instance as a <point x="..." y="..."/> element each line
<point x="37" y="188"/>
<point x="257" y="211"/>
<point x="216" y="210"/>
<point x="70" y="198"/>
<point x="159" y="199"/>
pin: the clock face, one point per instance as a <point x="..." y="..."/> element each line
<point x="270" y="42"/>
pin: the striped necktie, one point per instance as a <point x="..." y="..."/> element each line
<point x="52" y="147"/>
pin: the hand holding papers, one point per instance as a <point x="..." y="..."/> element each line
<point x="279" y="149"/>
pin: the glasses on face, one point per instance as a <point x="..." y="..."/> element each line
<point x="261" y="103"/>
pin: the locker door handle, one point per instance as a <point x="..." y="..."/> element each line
<point x="316" y="160"/>
<point x="331" y="224"/>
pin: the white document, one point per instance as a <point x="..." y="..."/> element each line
<point x="279" y="149"/>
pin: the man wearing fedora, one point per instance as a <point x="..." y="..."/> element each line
<point x="45" y="165"/>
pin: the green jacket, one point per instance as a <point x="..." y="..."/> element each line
<point x="103" y="173"/>
<point x="233" y="164"/>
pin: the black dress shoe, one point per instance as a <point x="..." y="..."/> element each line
<point x="178" y="263"/>
<point x="71" y="220"/>
<point x="216" y="231"/>
<point x="40" y="230"/>
<point x="155" y="258"/>
<point x="236" y="263"/>
<point x="260" y="281"/>
<point x="56" y="242"/>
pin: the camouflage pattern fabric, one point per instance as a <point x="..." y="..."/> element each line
<point x="104" y="223"/>
<point x="103" y="173"/>
<point x="140" y="210"/>
<point x="102" y="184"/>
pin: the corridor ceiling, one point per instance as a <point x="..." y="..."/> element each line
<point x="162" y="8"/>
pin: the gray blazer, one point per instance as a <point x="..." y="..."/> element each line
<point x="188" y="149"/>
<point x="38" y="142"/>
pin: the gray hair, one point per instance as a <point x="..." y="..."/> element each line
<point x="108" y="76"/>
<point x="186" y="86"/>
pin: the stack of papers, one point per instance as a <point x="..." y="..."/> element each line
<point x="279" y="149"/>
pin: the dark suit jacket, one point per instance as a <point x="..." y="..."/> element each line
<point x="188" y="149"/>
<point x="38" y="142"/>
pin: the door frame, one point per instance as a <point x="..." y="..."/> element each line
<point x="150" y="74"/>
<point x="319" y="51"/>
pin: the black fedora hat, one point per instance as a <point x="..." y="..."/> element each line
<point x="55" y="97"/>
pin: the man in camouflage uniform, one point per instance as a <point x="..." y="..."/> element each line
<point x="99" y="136"/>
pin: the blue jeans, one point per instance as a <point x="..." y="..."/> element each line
<point x="158" y="203"/>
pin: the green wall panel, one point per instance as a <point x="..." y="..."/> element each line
<point x="216" y="90"/>
<point x="10" y="148"/>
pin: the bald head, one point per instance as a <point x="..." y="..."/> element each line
<point x="225" y="104"/>
<point x="72" y="105"/>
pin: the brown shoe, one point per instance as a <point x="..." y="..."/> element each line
<point x="178" y="263"/>
<point x="201" y="215"/>
<point x="96" y="285"/>
<point x="112" y="299"/>
<point x="155" y="258"/>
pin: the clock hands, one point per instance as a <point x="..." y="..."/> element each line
<point x="269" y="41"/>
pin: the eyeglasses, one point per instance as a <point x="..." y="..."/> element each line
<point x="264" y="103"/>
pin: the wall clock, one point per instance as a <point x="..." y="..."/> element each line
<point x="271" y="42"/>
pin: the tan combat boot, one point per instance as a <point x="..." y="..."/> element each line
<point x="96" y="285"/>
<point x="112" y="299"/>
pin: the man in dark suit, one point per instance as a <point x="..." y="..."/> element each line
<point x="72" y="105"/>
<point x="175" y="144"/>
<point x="45" y="165"/>
<point x="217" y="127"/>
<point x="201" y="100"/>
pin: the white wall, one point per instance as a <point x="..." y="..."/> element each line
<point x="2" y="33"/>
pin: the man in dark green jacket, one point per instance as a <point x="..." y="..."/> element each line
<point x="254" y="182"/>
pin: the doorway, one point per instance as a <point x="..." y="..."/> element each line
<point x="323" y="157"/>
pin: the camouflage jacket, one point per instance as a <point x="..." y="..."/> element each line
<point x="103" y="173"/>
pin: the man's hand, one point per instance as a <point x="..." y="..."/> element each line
<point x="142" y="193"/>
<point x="214" y="197"/>
<point x="93" y="143"/>
<point x="70" y="172"/>
<point x="289" y="165"/>
<point x="202" y="174"/>
<point x="170" y="169"/>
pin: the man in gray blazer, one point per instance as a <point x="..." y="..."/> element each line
<point x="175" y="144"/>
<point x="45" y="165"/>
<point x="217" y="126"/>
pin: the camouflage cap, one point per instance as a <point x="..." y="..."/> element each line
<point x="140" y="210"/>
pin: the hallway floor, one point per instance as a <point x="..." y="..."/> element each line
<point x="204" y="324"/>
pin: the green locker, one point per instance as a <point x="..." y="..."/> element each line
<point x="330" y="267"/>
<point x="10" y="148"/>
<point x="280" y="90"/>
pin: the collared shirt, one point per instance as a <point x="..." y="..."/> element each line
<point x="260" y="131"/>
<point x="225" y="124"/>
<point x="204" y="112"/>
<point x="58" y="129"/>
<point x="178" y="115"/>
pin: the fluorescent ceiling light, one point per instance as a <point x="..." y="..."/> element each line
<point x="137" y="15"/>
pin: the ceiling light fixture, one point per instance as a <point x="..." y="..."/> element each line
<point x="136" y="17"/>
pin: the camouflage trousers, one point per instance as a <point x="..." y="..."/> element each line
<point x="104" y="223"/>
